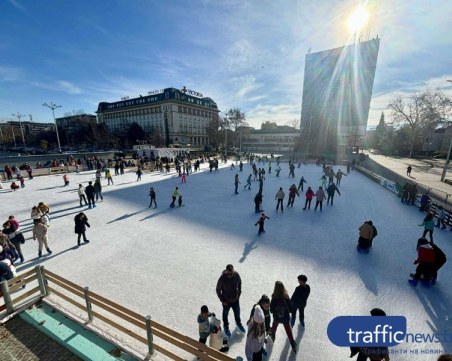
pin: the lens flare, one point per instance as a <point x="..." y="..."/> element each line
<point x="357" y="20"/>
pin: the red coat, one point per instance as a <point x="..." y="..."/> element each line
<point x="309" y="194"/>
<point x="425" y="253"/>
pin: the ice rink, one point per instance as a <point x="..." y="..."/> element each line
<point x="166" y="262"/>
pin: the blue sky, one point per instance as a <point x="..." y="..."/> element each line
<point x="246" y="54"/>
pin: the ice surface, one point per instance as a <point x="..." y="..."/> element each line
<point x="166" y="262"/>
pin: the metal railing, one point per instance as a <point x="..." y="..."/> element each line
<point x="96" y="307"/>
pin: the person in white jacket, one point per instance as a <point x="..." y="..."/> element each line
<point x="81" y="195"/>
<point x="255" y="338"/>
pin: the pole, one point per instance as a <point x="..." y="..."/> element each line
<point x="14" y="137"/>
<point x="3" y="138"/>
<point x="447" y="162"/>
<point x="20" y="116"/>
<point x="53" y="106"/>
<point x="150" y="337"/>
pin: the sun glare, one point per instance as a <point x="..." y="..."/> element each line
<point x="357" y="20"/>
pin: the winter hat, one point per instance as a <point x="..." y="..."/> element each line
<point x="377" y="312"/>
<point x="204" y="309"/>
<point x="258" y="314"/>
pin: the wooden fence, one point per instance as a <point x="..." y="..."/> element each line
<point x="119" y="318"/>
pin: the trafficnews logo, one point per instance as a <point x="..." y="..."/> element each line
<point x="367" y="331"/>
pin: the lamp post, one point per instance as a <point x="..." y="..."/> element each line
<point x="19" y="116"/>
<point x="3" y="138"/>
<point x="53" y="107"/>
<point x="226" y="136"/>
<point x="443" y="175"/>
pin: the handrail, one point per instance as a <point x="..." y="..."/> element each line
<point x="46" y="279"/>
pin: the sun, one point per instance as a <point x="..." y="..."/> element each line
<point x="357" y="20"/>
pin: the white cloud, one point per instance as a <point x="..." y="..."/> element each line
<point x="8" y="73"/>
<point x="58" y="86"/>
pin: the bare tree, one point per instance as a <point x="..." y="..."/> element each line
<point x="419" y="111"/>
<point x="294" y="123"/>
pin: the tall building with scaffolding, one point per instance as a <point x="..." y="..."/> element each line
<point x="337" y="91"/>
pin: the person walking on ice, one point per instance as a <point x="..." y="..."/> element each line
<point x="255" y="339"/>
<point x="236" y="183"/>
<point x="139" y="173"/>
<point x="229" y="289"/>
<point x="299" y="300"/>
<point x="330" y="191"/>
<point x="81" y="195"/>
<point x="248" y="182"/>
<point x="280" y="198"/>
<point x="174" y="197"/>
<point x="40" y="233"/>
<point x="109" y="176"/>
<point x="292" y="193"/>
<point x="320" y="194"/>
<point x="261" y="222"/>
<point x="281" y="308"/>
<point x="152" y="195"/>
<point x="81" y="222"/>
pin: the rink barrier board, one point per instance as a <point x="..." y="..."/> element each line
<point x="391" y="186"/>
<point x="44" y="289"/>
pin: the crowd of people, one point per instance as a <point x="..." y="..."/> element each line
<point x="268" y="312"/>
<point x="280" y="306"/>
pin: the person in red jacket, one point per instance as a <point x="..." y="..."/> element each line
<point x="309" y="195"/>
<point x="425" y="261"/>
<point x="292" y="193"/>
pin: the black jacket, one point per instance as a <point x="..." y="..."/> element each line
<point x="89" y="190"/>
<point x="80" y="224"/>
<point x="300" y="296"/>
<point x="281" y="308"/>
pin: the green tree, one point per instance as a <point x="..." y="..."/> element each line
<point x="420" y="111"/>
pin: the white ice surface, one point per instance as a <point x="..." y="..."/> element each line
<point x="166" y="262"/>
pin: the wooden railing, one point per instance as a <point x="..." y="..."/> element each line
<point x="117" y="317"/>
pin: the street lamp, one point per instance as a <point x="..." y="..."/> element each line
<point x="443" y="175"/>
<point x="53" y="107"/>
<point x="19" y="116"/>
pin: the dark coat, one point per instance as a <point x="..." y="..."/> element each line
<point x="300" y="296"/>
<point x="90" y="191"/>
<point x="80" y="224"/>
<point x="281" y="309"/>
<point x="229" y="289"/>
<point x="331" y="189"/>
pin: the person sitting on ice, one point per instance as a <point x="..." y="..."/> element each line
<point x="14" y="186"/>
<point x="425" y="261"/>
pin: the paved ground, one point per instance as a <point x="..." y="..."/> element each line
<point x="20" y="341"/>
<point x="426" y="172"/>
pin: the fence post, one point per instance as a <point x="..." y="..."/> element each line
<point x="42" y="287"/>
<point x="7" y="297"/>
<point x="150" y="337"/>
<point x="88" y="303"/>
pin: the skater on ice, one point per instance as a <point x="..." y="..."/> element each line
<point x="429" y="226"/>
<point x="299" y="300"/>
<point x="229" y="289"/>
<point x="81" y="222"/>
<point x="255" y="339"/>
<point x="281" y="308"/>
<point x="261" y="222"/>
<point x="280" y="199"/>
<point x="365" y="235"/>
<point x="152" y="195"/>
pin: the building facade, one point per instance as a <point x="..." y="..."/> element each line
<point x="438" y="141"/>
<point x="337" y="90"/>
<point x="276" y="140"/>
<point x="178" y="115"/>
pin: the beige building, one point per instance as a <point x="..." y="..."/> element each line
<point x="179" y="115"/>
